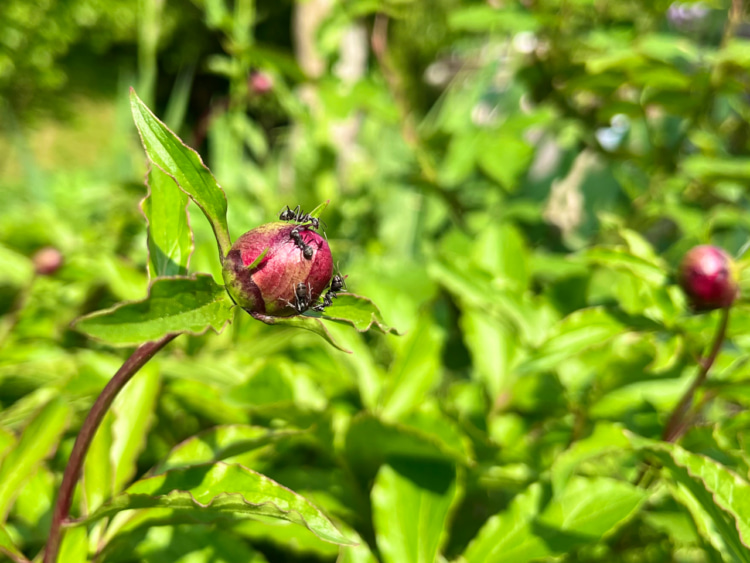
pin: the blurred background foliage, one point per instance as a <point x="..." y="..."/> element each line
<point x="512" y="182"/>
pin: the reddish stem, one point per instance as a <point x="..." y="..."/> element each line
<point x="678" y="423"/>
<point x="131" y="366"/>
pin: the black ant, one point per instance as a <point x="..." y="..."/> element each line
<point x="299" y="216"/>
<point x="306" y="249"/>
<point x="302" y="298"/>
<point x="337" y="284"/>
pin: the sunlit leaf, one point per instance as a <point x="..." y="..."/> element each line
<point x="183" y="164"/>
<point x="38" y="441"/>
<point x="74" y="547"/>
<point x="222" y="490"/>
<point x="585" y="512"/>
<point x="720" y="493"/>
<point x="411" y="501"/>
<point x="219" y="443"/>
<point x="8" y="548"/>
<point x="355" y="310"/>
<point x="415" y="371"/>
<point x="170" y="240"/>
<point x="174" y="305"/>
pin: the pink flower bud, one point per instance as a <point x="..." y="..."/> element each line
<point x="260" y="83"/>
<point x="271" y="287"/>
<point x="47" y="261"/>
<point x="709" y="278"/>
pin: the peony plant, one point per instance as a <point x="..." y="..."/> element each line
<point x="277" y="272"/>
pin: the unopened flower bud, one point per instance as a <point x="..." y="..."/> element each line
<point x="272" y="286"/>
<point x="47" y="261"/>
<point x="260" y="83"/>
<point x="709" y="278"/>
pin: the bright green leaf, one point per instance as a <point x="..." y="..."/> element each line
<point x="39" y="440"/>
<point x="222" y="490"/>
<point x="170" y="240"/>
<point x="585" y="512"/>
<point x="8" y="548"/>
<point x="219" y="443"/>
<point x="722" y="494"/>
<point x="174" y="306"/>
<point x="183" y="164"/>
<point x="133" y="413"/>
<point x="411" y="501"/>
<point x="355" y="310"/>
<point x="415" y="371"/>
<point x="74" y="546"/>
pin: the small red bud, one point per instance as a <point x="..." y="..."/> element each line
<point x="47" y="261"/>
<point x="260" y="83"/>
<point x="709" y="278"/>
<point x="269" y="288"/>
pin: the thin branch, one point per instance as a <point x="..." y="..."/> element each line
<point x="680" y="420"/>
<point x="678" y="424"/>
<point x="73" y="470"/>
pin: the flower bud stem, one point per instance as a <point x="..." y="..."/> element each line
<point x="680" y="419"/>
<point x="100" y="407"/>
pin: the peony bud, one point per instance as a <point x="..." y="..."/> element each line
<point x="260" y="83"/>
<point x="47" y="261"/>
<point x="709" y="278"/>
<point x="270" y="287"/>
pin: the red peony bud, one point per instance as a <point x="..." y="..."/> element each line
<point x="260" y="83"/>
<point x="284" y="278"/>
<point x="47" y="261"/>
<point x="709" y="278"/>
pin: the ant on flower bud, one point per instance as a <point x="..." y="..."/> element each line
<point x="337" y="284"/>
<point x="299" y="216"/>
<point x="307" y="250"/>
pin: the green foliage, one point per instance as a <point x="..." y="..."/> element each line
<point x="174" y="305"/>
<point x="512" y="183"/>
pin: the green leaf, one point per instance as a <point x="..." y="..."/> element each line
<point x="313" y="324"/>
<point x="654" y="274"/>
<point x="410" y="502"/>
<point x="585" y="512"/>
<point x="493" y="347"/>
<point x="606" y="438"/>
<point x="184" y="165"/>
<point x="170" y="240"/>
<point x="584" y="329"/>
<point x="350" y="309"/>
<point x="504" y="530"/>
<point x="221" y="442"/>
<point x="504" y="158"/>
<point x="174" y="306"/>
<point x="415" y="371"/>
<point x="133" y="414"/>
<point x="318" y="211"/>
<point x="184" y="543"/>
<point x="371" y="442"/>
<point x="219" y="490"/>
<point x="15" y="269"/>
<point x="74" y="546"/>
<point x="39" y="440"/>
<point x="9" y="548"/>
<point x="360" y="312"/>
<point x="97" y="482"/>
<point x="714" y="488"/>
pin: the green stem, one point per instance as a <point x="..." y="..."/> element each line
<point x="131" y="366"/>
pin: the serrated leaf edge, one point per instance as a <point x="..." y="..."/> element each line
<point x="224" y="246"/>
<point x="103" y="312"/>
<point x="199" y="504"/>
<point x="384" y="328"/>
